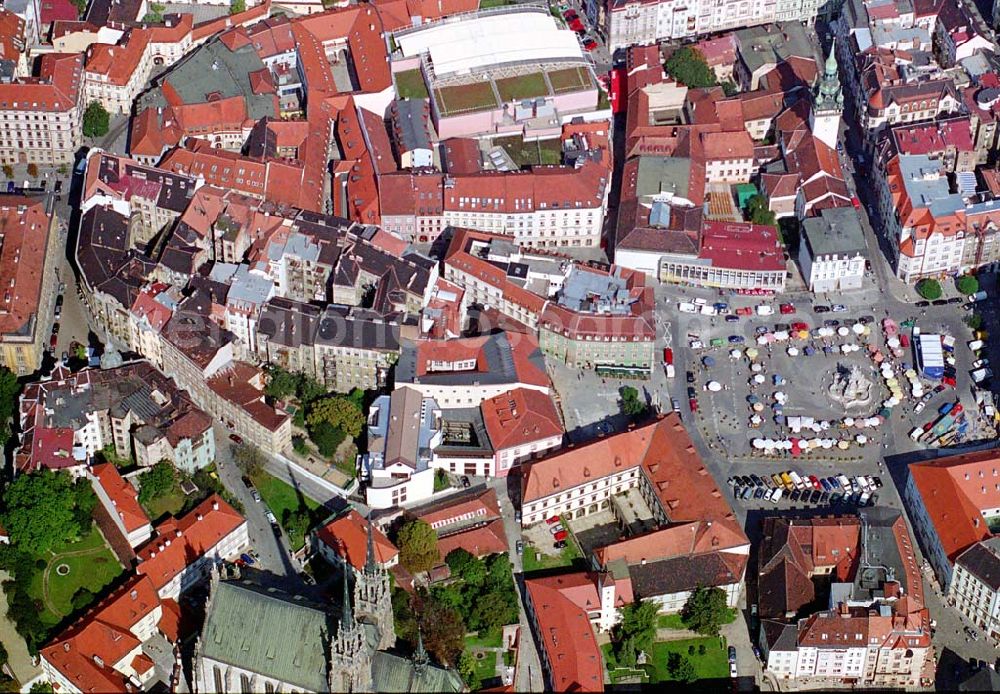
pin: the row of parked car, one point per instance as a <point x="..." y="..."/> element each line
<point x="789" y="485"/>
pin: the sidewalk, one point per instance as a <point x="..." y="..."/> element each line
<point x="17" y="651"/>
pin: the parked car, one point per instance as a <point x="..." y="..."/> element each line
<point x="922" y="304"/>
<point x="676" y="404"/>
<point x="520" y="546"/>
<point x="556" y="529"/>
<point x="559" y="544"/>
<point x="270" y="517"/>
<point x="235" y="439"/>
<point x="553" y="519"/>
<point x="731" y="318"/>
<point x="247" y="559"/>
<point x="821" y="309"/>
<point x="590" y="44"/>
<point x="736" y="339"/>
<point x="693" y="404"/>
<point x="732" y="654"/>
<point x="786" y="309"/>
<point x="690" y="376"/>
<point x="561" y="535"/>
<point x="955" y="300"/>
<point x="838" y="308"/>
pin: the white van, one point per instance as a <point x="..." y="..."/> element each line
<point x="844" y="482"/>
<point x="765" y="310"/>
<point x="778" y="492"/>
<point x="685" y="307"/>
<point x="708" y="310"/>
<point x="917" y="433"/>
<point x="796" y="480"/>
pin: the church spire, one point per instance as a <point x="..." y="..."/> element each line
<point x="346" y="615"/>
<point x="829" y="96"/>
<point x="420" y="658"/>
<point x="371" y="565"/>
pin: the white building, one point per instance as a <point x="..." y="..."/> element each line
<point x="975" y="586"/>
<point x="646" y="22"/>
<point x="184" y="550"/>
<point x="832" y="253"/>
<point x="403" y="430"/>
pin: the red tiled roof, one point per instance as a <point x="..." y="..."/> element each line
<point x="115" y="64"/>
<point x="520" y="416"/>
<point x="180" y="542"/>
<point x="567" y="636"/>
<point x="85" y="652"/>
<point x="348" y="535"/>
<point x="57" y="87"/>
<point x="955" y="489"/>
<point x="664" y="452"/>
<point x="742" y="246"/>
<point x="234" y="383"/>
<point x="57" y="10"/>
<point x="11" y="36"/>
<point x="24" y="225"/>
<point x="123" y="495"/>
<point x="479" y="541"/>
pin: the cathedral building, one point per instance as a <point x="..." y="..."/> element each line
<point x="261" y="636"/>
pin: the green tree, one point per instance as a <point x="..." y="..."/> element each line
<point x="705" y="611"/>
<point x="310" y="389"/>
<point x="458" y="559"/>
<point x="96" y="120"/>
<point x="974" y="321"/>
<point x="929" y="289"/>
<point x="326" y="437"/>
<point x="41" y="688"/>
<point x="967" y="284"/>
<point x="417" y="544"/>
<point x="40" y="510"/>
<point x="635" y="632"/>
<point x="156" y="482"/>
<point x="631" y="404"/>
<point x="687" y="65"/>
<point x="467" y="669"/>
<point x="9" y="390"/>
<point x="155" y="14"/>
<point x="237" y="6"/>
<point x="82" y="599"/>
<point x="80" y="5"/>
<point x="443" y="631"/>
<point x="296" y="523"/>
<point x="248" y="459"/>
<point x="501" y="573"/>
<point x="729" y="88"/>
<point x="299" y="445"/>
<point x="492" y="611"/>
<point x="339" y="411"/>
<point x="680" y="668"/>
<point x="282" y="384"/>
<point x="758" y="211"/>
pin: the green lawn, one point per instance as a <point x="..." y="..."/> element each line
<point x="713" y="665"/>
<point x="484" y="641"/>
<point x="673" y="621"/>
<point x="568" y="80"/>
<point x="536" y="561"/>
<point x="410" y="85"/>
<point x="522" y="87"/>
<point x="531" y="153"/>
<point x="464" y="98"/>
<point x="486" y="666"/>
<point x="279" y="497"/>
<point x="486" y="4"/>
<point x="94" y="569"/>
<point x="170" y="503"/>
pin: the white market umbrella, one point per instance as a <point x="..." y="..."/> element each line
<point x="714" y="386"/>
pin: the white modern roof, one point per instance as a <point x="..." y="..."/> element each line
<point x="459" y="47"/>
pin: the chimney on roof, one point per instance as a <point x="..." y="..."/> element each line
<point x="178" y="533"/>
<point x="215" y="505"/>
<point x="844" y="609"/>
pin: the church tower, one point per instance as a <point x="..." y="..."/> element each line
<point x="350" y="657"/>
<point x="828" y="103"/>
<point x="372" y="598"/>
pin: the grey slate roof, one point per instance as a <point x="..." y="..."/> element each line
<point x="982" y="560"/>
<point x="267" y="631"/>
<point x="392" y="673"/>
<point x="837" y="230"/>
<point x="213" y="70"/>
<point x="499" y="368"/>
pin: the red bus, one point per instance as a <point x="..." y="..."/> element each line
<point x="615" y="91"/>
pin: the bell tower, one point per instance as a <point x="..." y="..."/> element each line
<point x="828" y="103"/>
